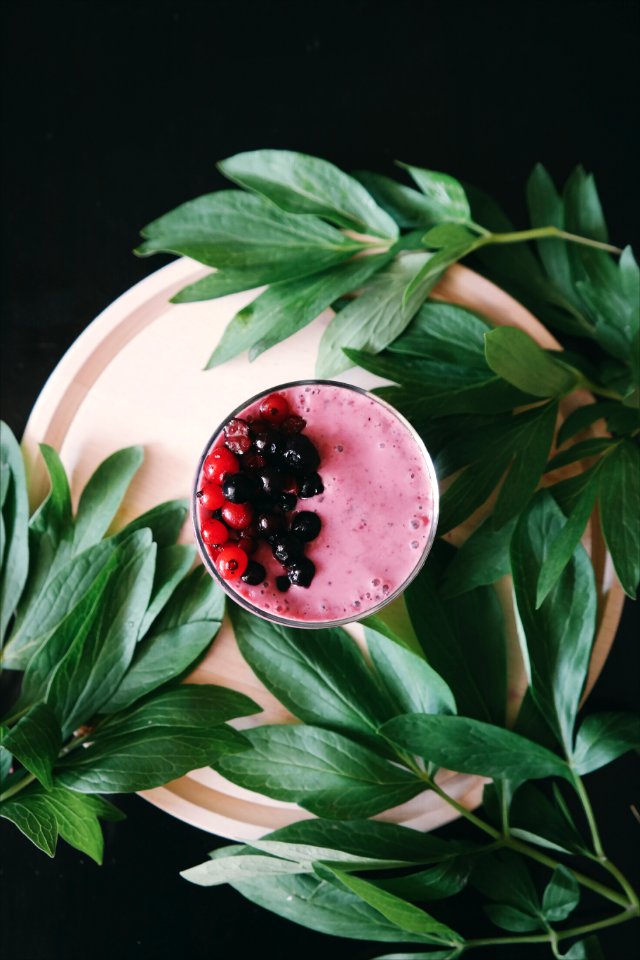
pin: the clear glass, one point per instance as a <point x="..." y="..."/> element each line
<point x="357" y="615"/>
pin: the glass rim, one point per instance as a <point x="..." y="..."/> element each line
<point x="292" y="621"/>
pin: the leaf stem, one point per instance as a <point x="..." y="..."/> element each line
<point x="519" y="847"/>
<point x="551" y="232"/>
<point x="554" y="935"/>
<point x="24" y="782"/>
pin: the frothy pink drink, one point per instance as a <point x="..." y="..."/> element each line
<point x="373" y="495"/>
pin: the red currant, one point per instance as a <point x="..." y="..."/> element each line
<point x="231" y="562"/>
<point x="219" y="462"/>
<point x="237" y="437"/>
<point x="274" y="408"/>
<point x="210" y="496"/>
<point x="213" y="532"/>
<point x="237" y="515"/>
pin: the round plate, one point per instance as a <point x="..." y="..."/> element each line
<point x="135" y="376"/>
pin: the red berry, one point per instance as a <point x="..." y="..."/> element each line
<point x="231" y="562"/>
<point x="220" y="462"/>
<point x="237" y="515"/>
<point x="274" y="408"/>
<point x="210" y="496"/>
<point x="237" y="437"/>
<point x="213" y="532"/>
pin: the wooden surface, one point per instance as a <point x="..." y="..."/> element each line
<point x="135" y="376"/>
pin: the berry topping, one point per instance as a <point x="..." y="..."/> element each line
<point x="270" y="524"/>
<point x="261" y="441"/>
<point x="238" y="516"/>
<point x="237" y="437"/>
<point x="287" y="548"/>
<point x="210" y="496"/>
<point x="310" y="485"/>
<point x="293" y="424"/>
<point x="253" y="461"/>
<point x="238" y="487"/>
<point x="274" y="408"/>
<point x="306" y="525"/>
<point x="254" y="574"/>
<point x="300" y="454"/>
<point x="220" y="462"/>
<point x="302" y="572"/>
<point x="231" y="562"/>
<point x="283" y="583"/>
<point x="288" y="501"/>
<point x="214" y="533"/>
<point x="270" y="481"/>
<point x="247" y="543"/>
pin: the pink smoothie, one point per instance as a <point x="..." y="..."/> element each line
<point x="377" y="510"/>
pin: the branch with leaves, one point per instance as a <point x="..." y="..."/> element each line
<point x="102" y="629"/>
<point x="373" y="731"/>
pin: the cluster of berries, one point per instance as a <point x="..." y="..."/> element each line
<point x="250" y="486"/>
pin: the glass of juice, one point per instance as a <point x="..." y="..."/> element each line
<point x="315" y="504"/>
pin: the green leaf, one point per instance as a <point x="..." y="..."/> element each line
<point x="481" y="560"/>
<point x="159" y="658"/>
<point x="36" y="740"/>
<point x="142" y="751"/>
<point x="430" y="273"/>
<point x="14" y="555"/>
<point x="619" y="498"/>
<point x="588" y="949"/>
<point x="368" y="838"/>
<point x="72" y="628"/>
<point x="436" y="883"/>
<point x="55" y="601"/>
<point x="172" y="565"/>
<point x="319" y="675"/>
<point x="188" y="705"/>
<point x="581" y="451"/>
<point x="561" y="896"/>
<point x="471" y="489"/>
<point x="419" y="406"/>
<point x="603" y="737"/>
<point x="445" y="332"/>
<point x="511" y="918"/>
<point x="412" y="685"/>
<point x="54" y="515"/>
<point x="235" y="229"/>
<point x="504" y="876"/>
<point x="407" y="207"/>
<point x="445" y="195"/>
<point x="563" y="546"/>
<point x="323" y="771"/>
<point x="393" y="622"/>
<point x="212" y="873"/>
<point x="165" y="522"/>
<point x="448" y="235"/>
<point x="287" y="307"/>
<point x="536" y="819"/>
<point x="103" y="495"/>
<point x="321" y="906"/>
<point x="32" y="816"/>
<point x="405" y="916"/>
<point x="197" y="597"/>
<point x="299" y="183"/>
<point x="531" y="450"/>
<point x="93" y="666"/>
<point x="221" y="283"/>
<point x="471" y="746"/>
<point x="307" y="854"/>
<point x="582" y="418"/>
<point x="450" y="632"/>
<point x="513" y="355"/>
<point x="559" y="634"/>
<point x="546" y="209"/>
<point x="375" y="318"/>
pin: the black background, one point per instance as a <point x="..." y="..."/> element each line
<point x="115" y="112"/>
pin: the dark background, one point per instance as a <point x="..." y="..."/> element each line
<point x="114" y="113"/>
